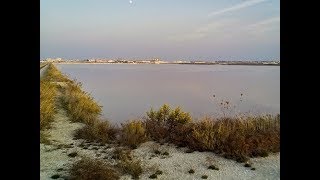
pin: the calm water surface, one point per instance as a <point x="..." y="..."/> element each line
<point x="127" y="91"/>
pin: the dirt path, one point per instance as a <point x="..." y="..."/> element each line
<point x="55" y="156"/>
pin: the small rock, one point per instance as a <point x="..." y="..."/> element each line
<point x="56" y="176"/>
<point x="73" y="154"/>
<point x="191" y="171"/>
<point x="204" y="177"/>
<point x="153" y="176"/>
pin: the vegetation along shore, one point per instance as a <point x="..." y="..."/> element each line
<point x="76" y="143"/>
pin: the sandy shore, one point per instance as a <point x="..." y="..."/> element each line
<point x="54" y="159"/>
<point x="177" y="164"/>
<point x="174" y="166"/>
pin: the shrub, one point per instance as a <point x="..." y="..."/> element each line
<point x="133" y="133"/>
<point x="88" y="169"/>
<point x="121" y="154"/>
<point x="132" y="167"/>
<point x="128" y="164"/>
<point x="166" y="123"/>
<point x="237" y="138"/>
<point x="100" y="131"/>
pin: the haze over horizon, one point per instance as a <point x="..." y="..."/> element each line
<point x="166" y="29"/>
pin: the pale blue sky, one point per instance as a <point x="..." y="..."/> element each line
<point x="168" y="29"/>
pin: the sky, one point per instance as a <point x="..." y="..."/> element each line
<point x="165" y="29"/>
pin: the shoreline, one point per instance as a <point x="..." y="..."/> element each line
<point x="166" y="63"/>
<point x="174" y="162"/>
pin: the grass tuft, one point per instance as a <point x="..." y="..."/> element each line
<point x="88" y="169"/>
<point x="100" y="131"/>
<point x="79" y="105"/>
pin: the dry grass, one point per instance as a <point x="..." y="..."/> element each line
<point x="237" y="138"/>
<point x="166" y="124"/>
<point x="48" y="94"/>
<point x="133" y="133"/>
<point x="233" y="137"/>
<point x="89" y="169"/>
<point x="43" y="65"/>
<point x="47" y="103"/>
<point x="54" y="75"/>
<point x="99" y="131"/>
<point x="126" y="163"/>
<point x="79" y="105"/>
<point x="44" y="138"/>
<point x="132" y="167"/>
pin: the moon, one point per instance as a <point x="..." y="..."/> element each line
<point x="130" y="1"/>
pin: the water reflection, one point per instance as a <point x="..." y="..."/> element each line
<point x="128" y="91"/>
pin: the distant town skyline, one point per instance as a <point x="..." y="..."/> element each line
<point x="169" y="30"/>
